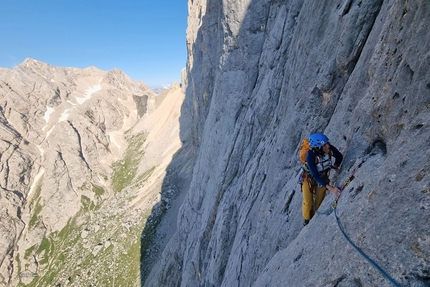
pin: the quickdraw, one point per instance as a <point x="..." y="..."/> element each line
<point x="347" y="181"/>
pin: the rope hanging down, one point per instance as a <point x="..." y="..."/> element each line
<point x="344" y="185"/>
<point x="363" y="254"/>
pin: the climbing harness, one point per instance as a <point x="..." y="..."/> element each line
<point x="341" y="188"/>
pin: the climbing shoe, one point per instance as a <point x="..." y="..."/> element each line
<point x="305" y="222"/>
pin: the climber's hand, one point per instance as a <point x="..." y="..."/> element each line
<point x="335" y="190"/>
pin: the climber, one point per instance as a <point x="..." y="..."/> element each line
<point x="315" y="175"/>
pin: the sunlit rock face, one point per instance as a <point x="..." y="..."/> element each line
<point x="65" y="133"/>
<point x="262" y="75"/>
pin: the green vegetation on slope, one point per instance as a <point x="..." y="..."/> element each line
<point x="110" y="255"/>
<point x="149" y="237"/>
<point x="36" y="207"/>
<point x="125" y="170"/>
<point x="101" y="245"/>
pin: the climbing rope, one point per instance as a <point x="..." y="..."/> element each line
<point x="344" y="185"/>
<point x="363" y="254"/>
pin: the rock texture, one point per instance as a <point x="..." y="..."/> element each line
<point x="78" y="175"/>
<point x="261" y="75"/>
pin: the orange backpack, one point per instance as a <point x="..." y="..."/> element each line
<point x="304" y="148"/>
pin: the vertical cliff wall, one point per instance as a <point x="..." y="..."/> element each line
<point x="261" y="75"/>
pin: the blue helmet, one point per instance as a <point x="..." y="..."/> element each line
<point x="318" y="139"/>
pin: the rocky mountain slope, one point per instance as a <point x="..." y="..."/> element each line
<point x="262" y="75"/>
<point x="83" y="162"/>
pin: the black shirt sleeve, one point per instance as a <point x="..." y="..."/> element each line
<point x="337" y="155"/>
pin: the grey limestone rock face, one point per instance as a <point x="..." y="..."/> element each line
<point x="262" y="75"/>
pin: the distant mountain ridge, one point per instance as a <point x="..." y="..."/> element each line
<point x="158" y="89"/>
<point x="74" y="156"/>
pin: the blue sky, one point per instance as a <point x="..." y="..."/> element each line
<point x="143" y="38"/>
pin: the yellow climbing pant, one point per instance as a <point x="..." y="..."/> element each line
<point x="311" y="194"/>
